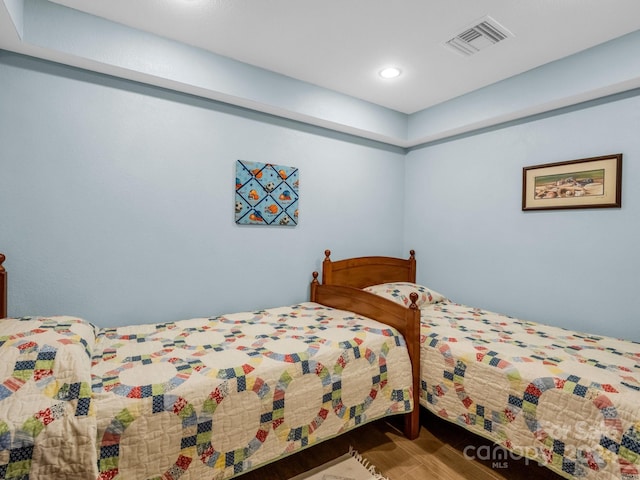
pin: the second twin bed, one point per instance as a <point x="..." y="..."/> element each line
<point x="565" y="399"/>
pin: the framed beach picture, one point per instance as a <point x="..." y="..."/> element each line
<point x="585" y="183"/>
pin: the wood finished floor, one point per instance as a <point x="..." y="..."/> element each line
<point x="438" y="453"/>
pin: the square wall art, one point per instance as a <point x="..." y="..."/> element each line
<point x="266" y="194"/>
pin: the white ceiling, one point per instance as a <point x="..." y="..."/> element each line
<point x="341" y="44"/>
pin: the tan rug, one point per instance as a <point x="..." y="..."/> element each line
<point x="350" y="466"/>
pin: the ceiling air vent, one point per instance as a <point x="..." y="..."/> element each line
<point x="484" y="33"/>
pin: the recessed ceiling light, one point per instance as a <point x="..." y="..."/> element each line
<point x="390" y="72"/>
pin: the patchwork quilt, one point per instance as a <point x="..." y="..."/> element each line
<point x="47" y="418"/>
<point x="193" y="399"/>
<point x="566" y="400"/>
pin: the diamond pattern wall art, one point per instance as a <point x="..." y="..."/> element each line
<point x="266" y="194"/>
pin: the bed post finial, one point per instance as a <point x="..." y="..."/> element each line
<point x="326" y="268"/>
<point x="412" y="266"/>
<point x="3" y="288"/>
<point x="314" y="287"/>
<point x="413" y="296"/>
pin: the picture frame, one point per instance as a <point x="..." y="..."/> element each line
<point x="266" y="194"/>
<point x="593" y="182"/>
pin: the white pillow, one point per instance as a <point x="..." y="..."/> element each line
<point x="399" y="293"/>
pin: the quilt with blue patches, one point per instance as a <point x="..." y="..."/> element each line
<point x="215" y="397"/>
<point x="193" y="399"/>
<point x="47" y="416"/>
<point x="566" y="400"/>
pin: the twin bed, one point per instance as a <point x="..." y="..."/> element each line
<point x="168" y="401"/>
<point x="567" y="400"/>
<point x="199" y="398"/>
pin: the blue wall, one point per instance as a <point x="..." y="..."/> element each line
<point x="572" y="268"/>
<point x="117" y="205"/>
<point x="117" y="199"/>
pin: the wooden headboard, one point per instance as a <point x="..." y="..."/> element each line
<point x="362" y="272"/>
<point x="3" y="288"/>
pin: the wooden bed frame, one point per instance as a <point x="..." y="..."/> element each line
<point x="341" y="288"/>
